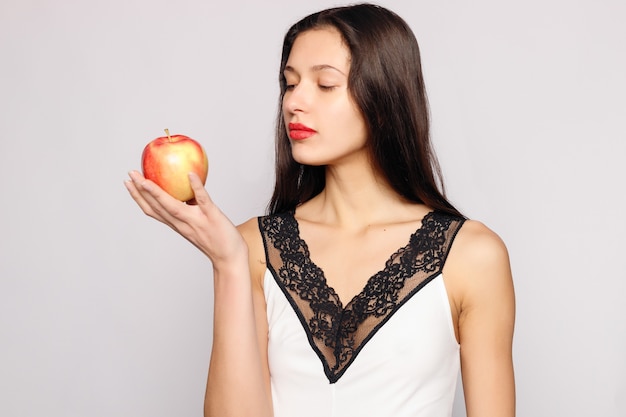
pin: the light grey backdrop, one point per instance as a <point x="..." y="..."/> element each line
<point x="104" y="312"/>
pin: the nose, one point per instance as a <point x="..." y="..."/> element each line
<point x="296" y="99"/>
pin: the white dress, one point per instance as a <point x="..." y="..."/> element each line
<point x="391" y="351"/>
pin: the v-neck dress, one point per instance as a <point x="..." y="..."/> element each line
<point x="390" y="351"/>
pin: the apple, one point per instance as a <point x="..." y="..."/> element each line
<point x="168" y="160"/>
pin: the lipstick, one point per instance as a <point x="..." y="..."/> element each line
<point x="298" y="131"/>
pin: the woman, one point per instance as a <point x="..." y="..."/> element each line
<point x="363" y="291"/>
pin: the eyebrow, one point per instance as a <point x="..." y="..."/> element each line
<point x="314" y="68"/>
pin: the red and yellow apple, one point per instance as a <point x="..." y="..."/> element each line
<point x="168" y="160"/>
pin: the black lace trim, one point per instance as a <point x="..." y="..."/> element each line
<point x="337" y="334"/>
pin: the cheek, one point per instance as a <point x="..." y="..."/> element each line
<point x="348" y="119"/>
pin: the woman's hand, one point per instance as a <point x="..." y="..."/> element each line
<point x="238" y="369"/>
<point x="202" y="223"/>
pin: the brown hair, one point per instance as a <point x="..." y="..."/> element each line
<point x="386" y="83"/>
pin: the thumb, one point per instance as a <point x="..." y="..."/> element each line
<point x="201" y="196"/>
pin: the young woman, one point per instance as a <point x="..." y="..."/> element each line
<point x="363" y="291"/>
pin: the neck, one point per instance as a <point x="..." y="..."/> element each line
<point x="356" y="196"/>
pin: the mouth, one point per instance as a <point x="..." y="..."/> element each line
<point x="298" y="131"/>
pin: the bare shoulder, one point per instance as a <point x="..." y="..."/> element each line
<point x="478" y="264"/>
<point x="480" y="285"/>
<point x="256" y="252"/>
<point x="478" y="246"/>
<point x="250" y="230"/>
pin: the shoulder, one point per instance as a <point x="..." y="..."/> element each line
<point x="479" y="280"/>
<point x="478" y="246"/>
<point x="478" y="265"/>
<point x="250" y="229"/>
<point x="256" y="251"/>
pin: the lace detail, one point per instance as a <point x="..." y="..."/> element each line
<point x="337" y="334"/>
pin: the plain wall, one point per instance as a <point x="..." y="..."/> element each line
<point x="105" y="312"/>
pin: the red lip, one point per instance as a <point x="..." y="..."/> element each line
<point x="298" y="131"/>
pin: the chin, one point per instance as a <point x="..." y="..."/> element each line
<point x="307" y="158"/>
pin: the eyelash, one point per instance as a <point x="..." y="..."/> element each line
<point x="290" y="87"/>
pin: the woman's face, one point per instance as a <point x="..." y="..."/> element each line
<point x="323" y="122"/>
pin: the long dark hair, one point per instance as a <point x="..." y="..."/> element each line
<point x="386" y="82"/>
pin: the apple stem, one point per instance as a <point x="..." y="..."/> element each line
<point x="167" y="132"/>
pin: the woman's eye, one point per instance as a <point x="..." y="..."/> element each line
<point x="327" y="87"/>
<point x="290" y="87"/>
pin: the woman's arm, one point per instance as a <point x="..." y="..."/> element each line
<point x="480" y="275"/>
<point x="238" y="382"/>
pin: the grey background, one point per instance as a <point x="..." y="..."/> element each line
<point x="104" y="312"/>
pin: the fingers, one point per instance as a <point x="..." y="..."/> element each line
<point x="158" y="204"/>
<point x="135" y="186"/>
<point x="152" y="200"/>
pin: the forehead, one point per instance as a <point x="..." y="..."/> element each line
<point x="318" y="47"/>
